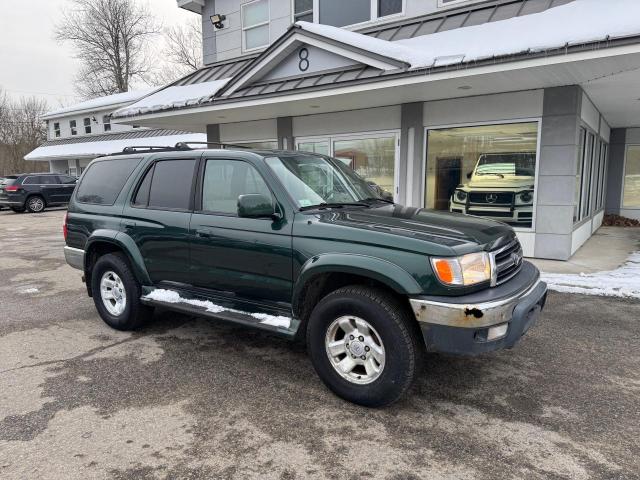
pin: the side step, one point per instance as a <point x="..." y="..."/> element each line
<point x="272" y="320"/>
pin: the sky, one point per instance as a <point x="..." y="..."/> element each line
<point x="33" y="63"/>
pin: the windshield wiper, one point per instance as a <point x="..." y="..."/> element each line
<point x="322" y="206"/>
<point x="378" y="199"/>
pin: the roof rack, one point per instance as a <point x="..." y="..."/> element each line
<point x="154" y="148"/>
<point x="185" y="145"/>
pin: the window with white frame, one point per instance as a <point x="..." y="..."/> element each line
<point x="339" y="13"/>
<point x="56" y="129"/>
<point x="255" y="24"/>
<point x="73" y="127"/>
<point x="87" y="125"/>
<point x="106" y="122"/>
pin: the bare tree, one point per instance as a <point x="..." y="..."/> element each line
<point x="110" y="38"/>
<point x="21" y="131"/>
<point x="182" y="52"/>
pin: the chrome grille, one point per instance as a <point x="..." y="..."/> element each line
<point x="506" y="262"/>
<point x="491" y="198"/>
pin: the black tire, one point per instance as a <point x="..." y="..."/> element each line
<point x="17" y="209"/>
<point x="135" y="314"/>
<point x="392" y="322"/>
<point x="35" y="204"/>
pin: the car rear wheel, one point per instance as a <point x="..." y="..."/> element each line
<point x="35" y="204"/>
<point x="363" y="346"/>
<point x="116" y="293"/>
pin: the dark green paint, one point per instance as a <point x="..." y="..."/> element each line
<point x="267" y="259"/>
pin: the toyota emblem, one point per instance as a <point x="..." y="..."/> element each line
<point x="492" y="198"/>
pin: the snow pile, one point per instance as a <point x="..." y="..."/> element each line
<point x="171" y="296"/>
<point x="101" y="103"/>
<point x="174" y="97"/>
<point x="106" y="147"/>
<point x="575" y="23"/>
<point x="622" y="282"/>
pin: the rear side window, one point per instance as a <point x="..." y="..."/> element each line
<point x="171" y="184"/>
<point x="103" y="180"/>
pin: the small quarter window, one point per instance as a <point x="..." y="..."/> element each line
<point x="104" y="179"/>
<point x="142" y="195"/>
<point x="171" y="185"/>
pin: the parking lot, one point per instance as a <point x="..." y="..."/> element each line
<point x="188" y="398"/>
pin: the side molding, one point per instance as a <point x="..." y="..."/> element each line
<point x="128" y="245"/>
<point x="377" y="269"/>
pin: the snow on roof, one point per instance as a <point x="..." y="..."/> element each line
<point x="105" y="147"/>
<point x="173" y="97"/>
<point x="578" y="22"/>
<point x="101" y="102"/>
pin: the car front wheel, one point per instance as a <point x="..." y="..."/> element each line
<point x="363" y="346"/>
<point x="116" y="293"/>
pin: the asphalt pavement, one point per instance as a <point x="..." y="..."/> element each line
<point x="191" y="398"/>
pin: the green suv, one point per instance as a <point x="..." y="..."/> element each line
<point x="297" y="244"/>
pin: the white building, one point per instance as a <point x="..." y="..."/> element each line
<point x="414" y="93"/>
<point x="79" y="133"/>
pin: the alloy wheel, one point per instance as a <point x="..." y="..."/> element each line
<point x="355" y="349"/>
<point x="113" y="293"/>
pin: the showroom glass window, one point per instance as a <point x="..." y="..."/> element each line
<point x="486" y="170"/>
<point x="255" y="24"/>
<point x="372" y="158"/>
<point x="631" y="196"/>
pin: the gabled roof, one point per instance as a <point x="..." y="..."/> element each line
<point x="533" y="30"/>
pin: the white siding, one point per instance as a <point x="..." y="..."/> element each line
<point x="352" y="121"/>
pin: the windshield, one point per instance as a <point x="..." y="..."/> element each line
<point x="518" y="164"/>
<point x="316" y="180"/>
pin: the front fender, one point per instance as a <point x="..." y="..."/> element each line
<point x="127" y="245"/>
<point x="378" y="269"/>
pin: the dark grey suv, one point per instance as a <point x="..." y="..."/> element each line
<point x="36" y="191"/>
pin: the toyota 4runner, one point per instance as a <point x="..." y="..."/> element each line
<point x="297" y="244"/>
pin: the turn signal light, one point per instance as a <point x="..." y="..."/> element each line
<point x="64" y="226"/>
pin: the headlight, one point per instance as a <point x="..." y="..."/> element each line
<point x="460" y="196"/>
<point x="463" y="271"/>
<point x="524" y="198"/>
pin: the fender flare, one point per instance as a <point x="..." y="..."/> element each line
<point x="383" y="271"/>
<point x="127" y="245"/>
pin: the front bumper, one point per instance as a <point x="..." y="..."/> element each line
<point x="465" y="325"/>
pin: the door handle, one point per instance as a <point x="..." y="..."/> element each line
<point x="203" y="234"/>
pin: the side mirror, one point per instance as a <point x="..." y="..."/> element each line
<point x="469" y="175"/>
<point x="255" y="205"/>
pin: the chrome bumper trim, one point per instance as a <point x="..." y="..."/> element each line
<point x="74" y="257"/>
<point x="468" y="315"/>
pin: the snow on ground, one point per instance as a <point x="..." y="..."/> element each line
<point x="171" y="296"/>
<point x="578" y="22"/>
<point x="105" y="147"/>
<point x="174" y="97"/>
<point x="622" y="282"/>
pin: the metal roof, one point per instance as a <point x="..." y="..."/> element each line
<point x="215" y="71"/>
<point x="477" y="14"/>
<point x="137" y="133"/>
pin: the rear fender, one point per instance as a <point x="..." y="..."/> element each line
<point x="127" y="245"/>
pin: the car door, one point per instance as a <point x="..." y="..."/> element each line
<point x="157" y="217"/>
<point x="66" y="185"/>
<point x="250" y="258"/>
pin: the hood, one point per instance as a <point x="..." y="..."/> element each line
<point x="509" y="182"/>
<point x="416" y="229"/>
